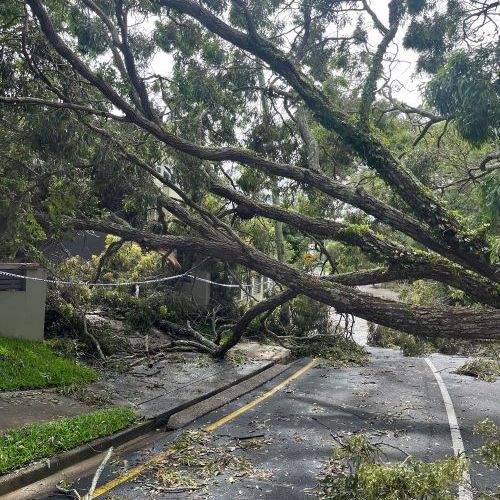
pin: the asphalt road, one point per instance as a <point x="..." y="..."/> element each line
<point x="395" y="399"/>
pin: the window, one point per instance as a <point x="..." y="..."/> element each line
<point x="10" y="283"/>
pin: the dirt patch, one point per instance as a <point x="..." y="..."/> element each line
<point x="24" y="407"/>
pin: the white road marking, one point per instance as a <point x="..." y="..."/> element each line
<point x="465" y="491"/>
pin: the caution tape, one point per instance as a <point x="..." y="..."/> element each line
<point x="126" y="283"/>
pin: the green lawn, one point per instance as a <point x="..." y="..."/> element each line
<point x="33" y="365"/>
<point x="19" y="447"/>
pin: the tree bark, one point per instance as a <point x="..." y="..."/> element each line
<point x="442" y="235"/>
<point x="452" y="322"/>
<point x="243" y="323"/>
<point x="428" y="265"/>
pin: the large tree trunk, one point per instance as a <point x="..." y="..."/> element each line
<point x="452" y="322"/>
<point x="462" y="256"/>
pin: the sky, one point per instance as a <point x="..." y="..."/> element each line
<point x="402" y="71"/>
<point x="406" y="85"/>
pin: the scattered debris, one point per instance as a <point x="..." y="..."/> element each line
<point x="74" y="493"/>
<point x="490" y="449"/>
<point x="197" y="461"/>
<point x="481" y="368"/>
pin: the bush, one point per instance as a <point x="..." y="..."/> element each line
<point x="481" y="368"/>
<point x="355" y="472"/>
<point x="149" y="310"/>
<point x="382" y="336"/>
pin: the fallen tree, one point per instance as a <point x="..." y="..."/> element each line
<point x="417" y="237"/>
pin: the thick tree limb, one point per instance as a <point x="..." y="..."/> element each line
<point x="198" y="341"/>
<point x="420" y="199"/>
<point x="453" y="322"/>
<point x="138" y="84"/>
<point x="376" y="21"/>
<point x="243" y="323"/>
<point x="429" y="266"/>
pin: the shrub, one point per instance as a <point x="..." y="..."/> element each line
<point x="355" y="472"/>
<point x="382" y="336"/>
<point x="481" y="368"/>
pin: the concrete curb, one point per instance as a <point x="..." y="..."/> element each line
<point x="162" y="419"/>
<point x="40" y="470"/>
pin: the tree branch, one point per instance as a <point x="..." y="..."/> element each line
<point x="463" y="249"/>
<point x="429" y="266"/>
<point x="60" y="105"/>
<point x="396" y="11"/>
<point x="370" y="149"/>
<point x="453" y="322"/>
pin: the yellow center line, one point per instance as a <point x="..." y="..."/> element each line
<point x="135" y="471"/>
<point x="255" y="402"/>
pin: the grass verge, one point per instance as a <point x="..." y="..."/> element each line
<point x="19" y="447"/>
<point x="33" y="365"/>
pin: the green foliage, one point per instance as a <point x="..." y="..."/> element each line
<point x="481" y="368"/>
<point x="308" y="315"/>
<point x="426" y="292"/>
<point x="382" y="336"/>
<point x="355" y="472"/>
<point x="411" y="345"/>
<point x="490" y="449"/>
<point x="416" y="6"/>
<point x="337" y="352"/>
<point x="415" y="480"/>
<point x="66" y="305"/>
<point x="144" y="313"/>
<point x="490" y="201"/>
<point x="467" y="89"/>
<point x="433" y="34"/>
<point x="19" y="447"/>
<point x="32" y="365"/>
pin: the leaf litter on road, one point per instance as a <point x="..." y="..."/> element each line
<point x="200" y="458"/>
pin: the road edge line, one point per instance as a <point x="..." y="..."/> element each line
<point x="465" y="490"/>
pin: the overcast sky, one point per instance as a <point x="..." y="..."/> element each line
<point x="405" y="85"/>
<point x="402" y="71"/>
